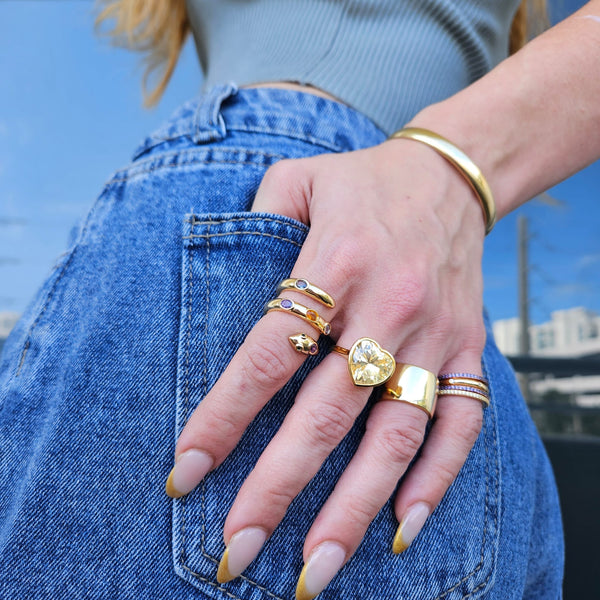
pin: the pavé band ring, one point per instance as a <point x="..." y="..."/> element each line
<point x="468" y="385"/>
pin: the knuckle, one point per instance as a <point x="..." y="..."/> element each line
<point x="285" y="178"/>
<point x="399" y="443"/>
<point x="327" y="425"/>
<point x="276" y="501"/>
<point x="445" y="474"/>
<point x="346" y="256"/>
<point x="263" y="366"/>
<point x="470" y="426"/>
<point x="474" y="337"/>
<point x="409" y="298"/>
<point x="360" y="511"/>
<point x="221" y="423"/>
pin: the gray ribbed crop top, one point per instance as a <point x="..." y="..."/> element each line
<point x="386" y="58"/>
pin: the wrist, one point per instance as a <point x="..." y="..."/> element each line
<point x="461" y="162"/>
<point x="434" y="185"/>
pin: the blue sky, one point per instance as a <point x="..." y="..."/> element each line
<point x="70" y="114"/>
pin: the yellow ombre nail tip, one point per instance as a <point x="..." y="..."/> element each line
<point x="170" y="489"/>
<point x="410" y="526"/>
<point x="399" y="545"/>
<point x="301" y="591"/>
<point x="223" y="574"/>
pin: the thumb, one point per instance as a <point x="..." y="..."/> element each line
<point x="286" y="189"/>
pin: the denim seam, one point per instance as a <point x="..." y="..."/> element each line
<point x="125" y="175"/>
<point x="487" y="490"/>
<point x="197" y="150"/>
<point x="183" y="557"/>
<point x="52" y="290"/>
<point x="186" y="388"/>
<point x="269" y="235"/>
<point x="199" y="162"/>
<point x="245" y="219"/>
<point x="290" y="134"/>
<point x="205" y="374"/>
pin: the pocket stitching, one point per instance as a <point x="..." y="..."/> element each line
<point x="207" y="236"/>
<point x="485" y="529"/>
<point x="183" y="557"/>
<point x="192" y="221"/>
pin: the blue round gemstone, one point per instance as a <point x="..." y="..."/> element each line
<point x="285" y="303"/>
<point x="301" y="284"/>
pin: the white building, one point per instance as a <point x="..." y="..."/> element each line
<point x="7" y="322"/>
<point x="571" y="333"/>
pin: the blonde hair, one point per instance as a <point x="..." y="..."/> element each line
<point x="530" y="20"/>
<point x="159" y="29"/>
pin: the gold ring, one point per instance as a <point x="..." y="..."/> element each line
<point x="369" y="364"/>
<point x="309" y="315"/>
<point x="479" y="385"/>
<point x="304" y="344"/>
<point x="455" y="391"/>
<point x="412" y="385"/>
<point x="306" y="288"/>
<point x="465" y="379"/>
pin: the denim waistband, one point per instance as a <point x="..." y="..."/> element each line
<point x="300" y="115"/>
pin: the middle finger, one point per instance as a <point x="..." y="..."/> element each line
<point x="325" y="410"/>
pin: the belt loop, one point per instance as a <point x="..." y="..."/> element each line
<point x="209" y="125"/>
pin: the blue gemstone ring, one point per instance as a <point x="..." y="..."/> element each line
<point x="308" y="289"/>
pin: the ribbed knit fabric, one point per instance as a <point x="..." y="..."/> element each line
<point x="386" y="58"/>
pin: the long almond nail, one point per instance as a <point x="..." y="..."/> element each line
<point x="190" y="469"/>
<point x="322" y="565"/>
<point x="243" y="548"/>
<point x="409" y="527"/>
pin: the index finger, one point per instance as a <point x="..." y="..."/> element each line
<point x="259" y="369"/>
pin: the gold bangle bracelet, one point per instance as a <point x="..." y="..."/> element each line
<point x="456" y="157"/>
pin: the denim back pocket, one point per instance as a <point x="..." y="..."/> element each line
<point x="231" y="266"/>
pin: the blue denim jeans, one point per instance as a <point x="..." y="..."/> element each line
<point x="136" y="322"/>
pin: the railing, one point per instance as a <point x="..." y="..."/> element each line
<point x="571" y="434"/>
<point x="576" y="464"/>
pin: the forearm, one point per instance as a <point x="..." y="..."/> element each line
<point x="535" y="119"/>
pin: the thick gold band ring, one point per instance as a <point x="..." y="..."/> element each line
<point x="309" y="315"/>
<point x="306" y="288"/>
<point x="412" y="385"/>
<point x="368" y="363"/>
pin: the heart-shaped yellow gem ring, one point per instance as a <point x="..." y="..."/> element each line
<point x="368" y="363"/>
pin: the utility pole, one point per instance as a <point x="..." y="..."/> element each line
<point x="524" y="343"/>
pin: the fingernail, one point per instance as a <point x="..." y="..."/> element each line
<point x="409" y="527"/>
<point x="322" y="565"/>
<point x="243" y="548"/>
<point x="190" y="469"/>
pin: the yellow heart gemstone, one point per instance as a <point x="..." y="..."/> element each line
<point x="369" y="363"/>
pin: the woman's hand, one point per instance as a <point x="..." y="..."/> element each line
<point x="396" y="238"/>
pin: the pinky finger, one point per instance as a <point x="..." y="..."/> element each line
<point x="458" y="423"/>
